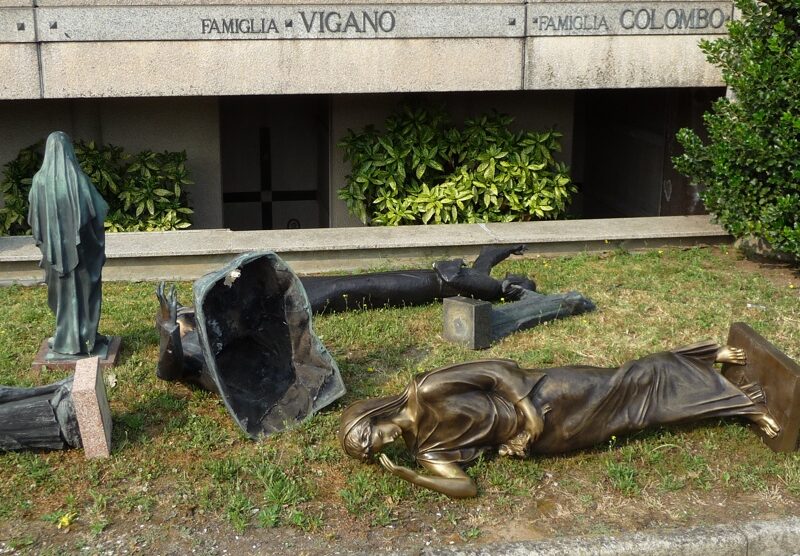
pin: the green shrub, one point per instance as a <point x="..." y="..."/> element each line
<point x="144" y="192"/>
<point x="423" y="170"/>
<point x="750" y="164"/>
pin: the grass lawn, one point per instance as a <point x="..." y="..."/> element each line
<point x="183" y="477"/>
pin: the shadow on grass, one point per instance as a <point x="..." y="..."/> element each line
<point x="147" y="418"/>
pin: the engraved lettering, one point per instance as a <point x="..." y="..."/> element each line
<point x="372" y="22"/>
<point x="386" y="22"/>
<point x="338" y="26"/>
<point x="626" y="19"/>
<point x="351" y="22"/>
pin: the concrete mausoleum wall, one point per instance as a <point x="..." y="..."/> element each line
<point x="154" y="73"/>
<point x="189" y="124"/>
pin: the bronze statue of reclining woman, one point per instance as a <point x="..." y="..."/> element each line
<point x="449" y="416"/>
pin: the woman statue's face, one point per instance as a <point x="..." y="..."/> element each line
<point x="383" y="434"/>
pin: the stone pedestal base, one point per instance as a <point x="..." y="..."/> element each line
<point x="45" y="359"/>
<point x="476" y="324"/>
<point x="467" y="322"/>
<point x="778" y="376"/>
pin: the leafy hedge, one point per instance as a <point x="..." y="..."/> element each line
<point x="750" y="164"/>
<point x="423" y="170"/>
<point x="145" y="192"/>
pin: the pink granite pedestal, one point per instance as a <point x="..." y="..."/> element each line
<point x="91" y="408"/>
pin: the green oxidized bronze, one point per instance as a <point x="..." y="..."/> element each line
<point x="449" y="416"/>
<point x="66" y="216"/>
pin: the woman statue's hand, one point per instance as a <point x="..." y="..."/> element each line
<point x="399" y="470"/>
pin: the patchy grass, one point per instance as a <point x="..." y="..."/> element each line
<point x="184" y="477"/>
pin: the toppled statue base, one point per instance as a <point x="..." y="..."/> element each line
<point x="250" y="339"/>
<point x="779" y="378"/>
<point x="450" y="416"/>
<point x="71" y="413"/>
<point x="476" y="324"/>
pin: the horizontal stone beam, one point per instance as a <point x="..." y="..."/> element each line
<point x="187" y="255"/>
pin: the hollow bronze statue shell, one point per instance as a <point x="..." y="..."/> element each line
<point x="449" y="416"/>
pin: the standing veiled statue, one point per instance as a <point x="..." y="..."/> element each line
<point x="450" y="416"/>
<point x="66" y="217"/>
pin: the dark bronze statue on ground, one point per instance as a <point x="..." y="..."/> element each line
<point x="40" y="418"/>
<point x="401" y="288"/>
<point x="449" y="416"/>
<point x="66" y="217"/>
<point x="181" y="356"/>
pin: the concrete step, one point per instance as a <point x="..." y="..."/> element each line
<point x="188" y="254"/>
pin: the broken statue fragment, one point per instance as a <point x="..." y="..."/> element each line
<point x="250" y="339"/>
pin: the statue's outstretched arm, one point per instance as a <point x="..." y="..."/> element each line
<point x="447" y="478"/>
<point x="170" y="352"/>
<point x="492" y="256"/>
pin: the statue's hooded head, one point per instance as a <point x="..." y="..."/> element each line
<point x="58" y="149"/>
<point x="63" y="205"/>
<point x="358" y="420"/>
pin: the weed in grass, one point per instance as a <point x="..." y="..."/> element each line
<point x="35" y="468"/>
<point x="622" y="472"/>
<point x="269" y="516"/>
<point x="789" y="474"/>
<point x="304" y="521"/>
<point x="278" y="487"/>
<point x="368" y="494"/>
<point x="203" y="432"/>
<point x="24" y="541"/>
<point x="698" y="470"/>
<point x="222" y="470"/>
<point x="238" y="511"/>
<point x="471" y="534"/>
<point x="668" y="482"/>
<point x="98" y="525"/>
<point x="139" y="502"/>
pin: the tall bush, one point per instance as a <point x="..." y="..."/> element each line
<point x="421" y="169"/>
<point x="750" y="164"/>
<point x="145" y="192"/>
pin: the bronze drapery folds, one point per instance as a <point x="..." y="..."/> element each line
<point x="66" y="216"/>
<point x="449" y="416"/>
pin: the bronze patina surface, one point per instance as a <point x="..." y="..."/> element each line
<point x="449" y="416"/>
<point x="66" y="216"/>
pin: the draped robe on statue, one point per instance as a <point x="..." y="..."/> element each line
<point x="66" y="216"/>
<point x="465" y="409"/>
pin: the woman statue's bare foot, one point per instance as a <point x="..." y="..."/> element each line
<point x="732" y="355"/>
<point x="767" y="424"/>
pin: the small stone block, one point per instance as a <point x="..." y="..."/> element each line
<point x="468" y="322"/>
<point x="109" y="360"/>
<point x="91" y="408"/>
<point x="779" y="377"/>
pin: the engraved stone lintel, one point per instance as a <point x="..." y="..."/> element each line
<point x="243" y="22"/>
<point x="628" y="18"/>
<point x="468" y="322"/>
<point x="779" y="377"/>
<point x="91" y="408"/>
